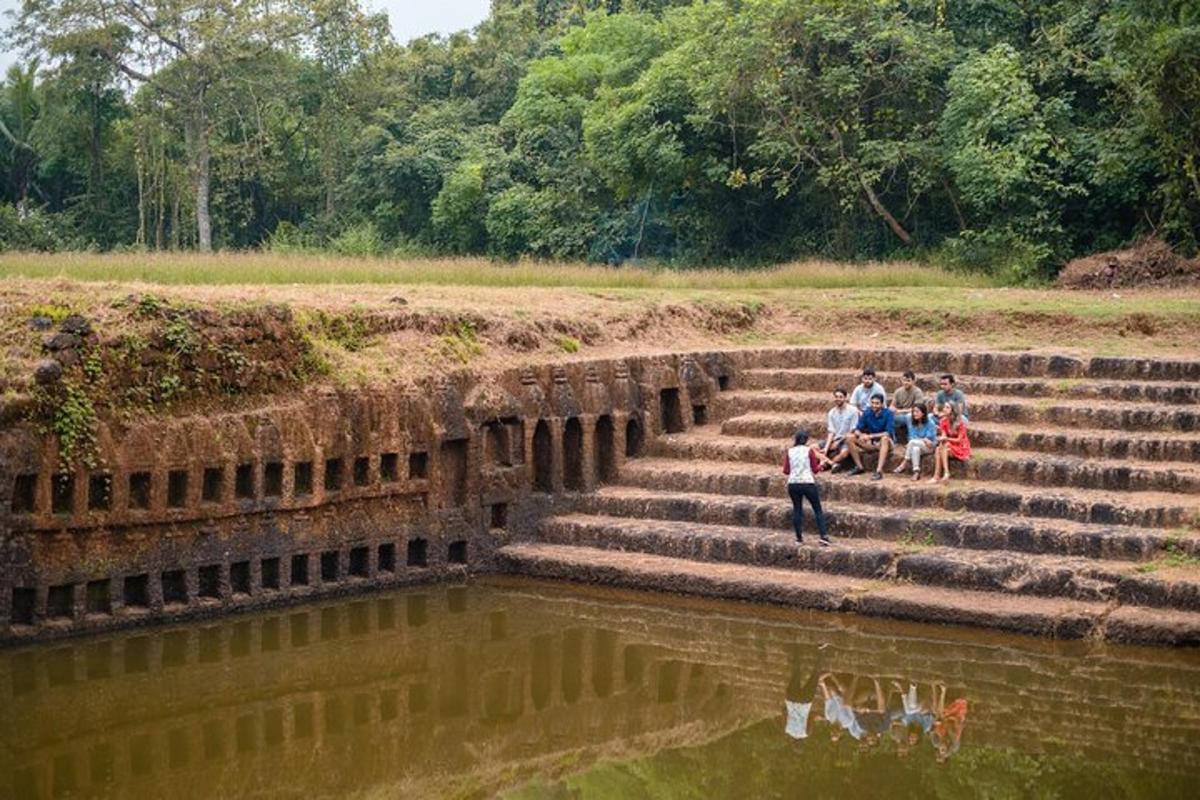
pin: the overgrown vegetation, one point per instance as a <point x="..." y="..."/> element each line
<point x="1174" y="556"/>
<point x="68" y="413"/>
<point x="981" y="134"/>
<point x="461" y="343"/>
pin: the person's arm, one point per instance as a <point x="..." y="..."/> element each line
<point x="961" y="436"/>
<point x="817" y="461"/>
<point x="787" y="463"/>
<point x="880" y="700"/>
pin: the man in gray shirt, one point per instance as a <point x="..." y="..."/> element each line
<point x="861" y="398"/>
<point x="907" y="396"/>
<point x="840" y="422"/>
<point x="950" y="393"/>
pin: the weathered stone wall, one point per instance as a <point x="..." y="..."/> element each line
<point x="324" y="493"/>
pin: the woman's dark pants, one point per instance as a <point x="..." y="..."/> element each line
<point x="799" y="491"/>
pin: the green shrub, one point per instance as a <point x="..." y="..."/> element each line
<point x="358" y="240"/>
<point x="1006" y="256"/>
<point x="34" y="230"/>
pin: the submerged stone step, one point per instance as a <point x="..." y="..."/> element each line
<point x="1083" y="443"/>
<point x="913" y="527"/>
<point x="992" y="571"/>
<point x="1141" y="509"/>
<point x="825" y="380"/>
<point x="1040" y="412"/>
<point x="985" y="465"/>
<point x="1054" y="617"/>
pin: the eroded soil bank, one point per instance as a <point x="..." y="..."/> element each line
<point x="131" y="349"/>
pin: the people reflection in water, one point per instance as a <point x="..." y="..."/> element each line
<point x="904" y="715"/>
<point x="799" y="698"/>
<point x="838" y="709"/>
<point x="948" y="727"/>
<point x="912" y="719"/>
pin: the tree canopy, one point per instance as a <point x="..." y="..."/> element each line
<point x="1006" y="135"/>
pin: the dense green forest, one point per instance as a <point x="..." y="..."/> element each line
<point x="1006" y="135"/>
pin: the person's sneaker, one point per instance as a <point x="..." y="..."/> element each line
<point x="824" y="540"/>
<point x="878" y="476"/>
<point x="856" y="471"/>
<point x="837" y="465"/>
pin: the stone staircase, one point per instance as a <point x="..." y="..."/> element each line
<point x="1078" y="516"/>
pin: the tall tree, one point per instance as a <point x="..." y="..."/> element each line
<point x="181" y="49"/>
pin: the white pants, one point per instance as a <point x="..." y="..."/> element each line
<point x="915" y="449"/>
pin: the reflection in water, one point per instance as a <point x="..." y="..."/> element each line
<point x="899" y="717"/>
<point x="530" y="691"/>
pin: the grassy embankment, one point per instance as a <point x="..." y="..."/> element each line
<point x="528" y="310"/>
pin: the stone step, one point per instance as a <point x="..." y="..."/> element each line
<point x="1142" y="509"/>
<point x="1056" y="617"/>
<point x="825" y="380"/>
<point x="968" y="362"/>
<point x="1038" y="412"/>
<point x="1003" y="572"/>
<point x="985" y="465"/>
<point x="1084" y="443"/>
<point x="914" y="528"/>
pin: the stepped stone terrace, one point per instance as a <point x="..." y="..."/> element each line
<point x="1078" y="515"/>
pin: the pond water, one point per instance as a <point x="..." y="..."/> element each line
<point x="526" y="690"/>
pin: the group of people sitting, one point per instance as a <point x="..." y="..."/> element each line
<point x="864" y="423"/>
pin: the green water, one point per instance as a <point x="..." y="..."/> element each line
<point x="525" y="690"/>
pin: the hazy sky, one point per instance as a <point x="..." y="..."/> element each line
<point x="410" y="18"/>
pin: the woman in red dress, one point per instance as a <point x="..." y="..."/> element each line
<point x="952" y="442"/>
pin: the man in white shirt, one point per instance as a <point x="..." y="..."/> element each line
<point x="839" y="425"/>
<point x="861" y="399"/>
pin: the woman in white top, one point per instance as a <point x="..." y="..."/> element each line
<point x="801" y="464"/>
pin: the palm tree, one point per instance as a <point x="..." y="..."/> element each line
<point x="20" y="113"/>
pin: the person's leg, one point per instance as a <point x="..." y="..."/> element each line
<point x="885" y="449"/>
<point x="855" y="448"/>
<point x="912" y="455"/>
<point x="797" y="495"/>
<point x="945" y="462"/>
<point x="937" y="463"/>
<point x="814" y="499"/>
<point x="924" y="448"/>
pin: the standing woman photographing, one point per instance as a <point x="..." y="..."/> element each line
<point x="801" y="464"/>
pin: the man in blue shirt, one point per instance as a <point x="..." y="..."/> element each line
<point x="876" y="431"/>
